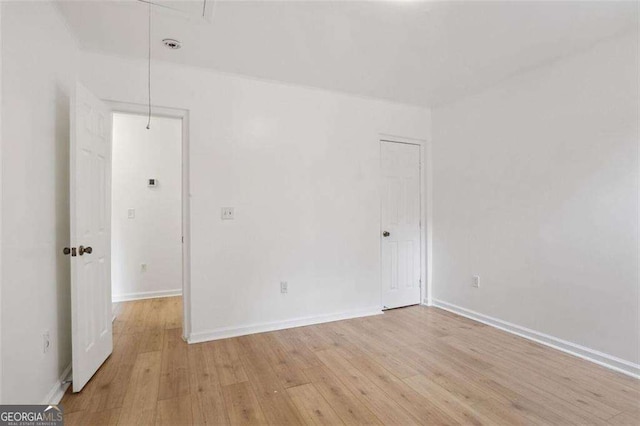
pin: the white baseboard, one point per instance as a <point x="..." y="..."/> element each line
<point x="57" y="391"/>
<point x="600" y="358"/>
<point x="127" y="297"/>
<point x="223" y="333"/>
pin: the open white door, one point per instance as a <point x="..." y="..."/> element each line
<point x="90" y="196"/>
<point x="400" y="224"/>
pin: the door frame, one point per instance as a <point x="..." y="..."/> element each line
<point x="426" y="197"/>
<point x="183" y="114"/>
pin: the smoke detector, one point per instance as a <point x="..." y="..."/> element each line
<point x="172" y="44"/>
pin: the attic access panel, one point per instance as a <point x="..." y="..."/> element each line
<point x="188" y="9"/>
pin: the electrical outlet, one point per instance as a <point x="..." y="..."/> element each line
<point x="46" y="342"/>
<point x="143" y="267"/>
<point x="227" y="213"/>
<point x="284" y="287"/>
<point x="476" y="281"/>
<point x="131" y="213"/>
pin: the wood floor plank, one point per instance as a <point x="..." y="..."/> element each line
<point x="79" y="401"/>
<point x="612" y="393"/>
<point x="376" y="348"/>
<point x="312" y="405"/>
<point x="96" y="396"/>
<point x="518" y="412"/>
<point x="348" y="407"/>
<point x="110" y="388"/>
<point x="446" y="401"/>
<point x="339" y="340"/>
<point x="625" y="419"/>
<point x="136" y="322"/>
<point x="173" y="313"/>
<point x="411" y="401"/>
<point x="123" y="315"/>
<point x="97" y="418"/>
<point x="207" y="402"/>
<point x="242" y="405"/>
<point x="174" y="412"/>
<point x="152" y="336"/>
<point x="580" y="373"/>
<point x="277" y="406"/>
<point x="295" y="349"/>
<point x="453" y="378"/>
<point x="384" y="407"/>
<point x="312" y="339"/>
<point x="285" y="362"/>
<point x="140" y="400"/>
<point x="550" y="406"/>
<point x="174" y="378"/>
<point x="580" y="398"/>
<point x="226" y="358"/>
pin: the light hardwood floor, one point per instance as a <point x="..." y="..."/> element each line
<point x="409" y="366"/>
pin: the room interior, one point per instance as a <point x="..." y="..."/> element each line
<point x="397" y="212"/>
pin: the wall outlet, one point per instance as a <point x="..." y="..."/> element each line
<point x="476" y="281"/>
<point x="46" y="342"/>
<point x="131" y="213"/>
<point x="227" y="213"/>
<point x="143" y="267"/>
<point x="284" y="287"/>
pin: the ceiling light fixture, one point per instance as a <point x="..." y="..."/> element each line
<point x="172" y="44"/>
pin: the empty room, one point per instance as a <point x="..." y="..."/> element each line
<point x="399" y="212"/>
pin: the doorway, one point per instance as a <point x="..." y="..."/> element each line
<point x="150" y="208"/>
<point x="401" y="224"/>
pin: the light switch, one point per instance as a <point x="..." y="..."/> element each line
<point x="227" y="213"/>
<point x="131" y="213"/>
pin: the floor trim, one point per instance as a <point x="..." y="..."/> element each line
<point x="600" y="358"/>
<point x="223" y="333"/>
<point x="127" y="297"/>
<point x="57" y="391"/>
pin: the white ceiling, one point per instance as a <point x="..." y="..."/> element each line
<point x="423" y="53"/>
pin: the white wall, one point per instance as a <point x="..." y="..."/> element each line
<point x="536" y="190"/>
<point x="153" y="237"/>
<point x="38" y="73"/>
<point x="300" y="166"/>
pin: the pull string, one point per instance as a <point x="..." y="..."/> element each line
<point x="149" y="70"/>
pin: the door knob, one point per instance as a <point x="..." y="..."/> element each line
<point x="82" y="250"/>
<point x="386" y="234"/>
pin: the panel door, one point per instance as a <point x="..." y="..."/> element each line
<point x="400" y="232"/>
<point x="90" y="214"/>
